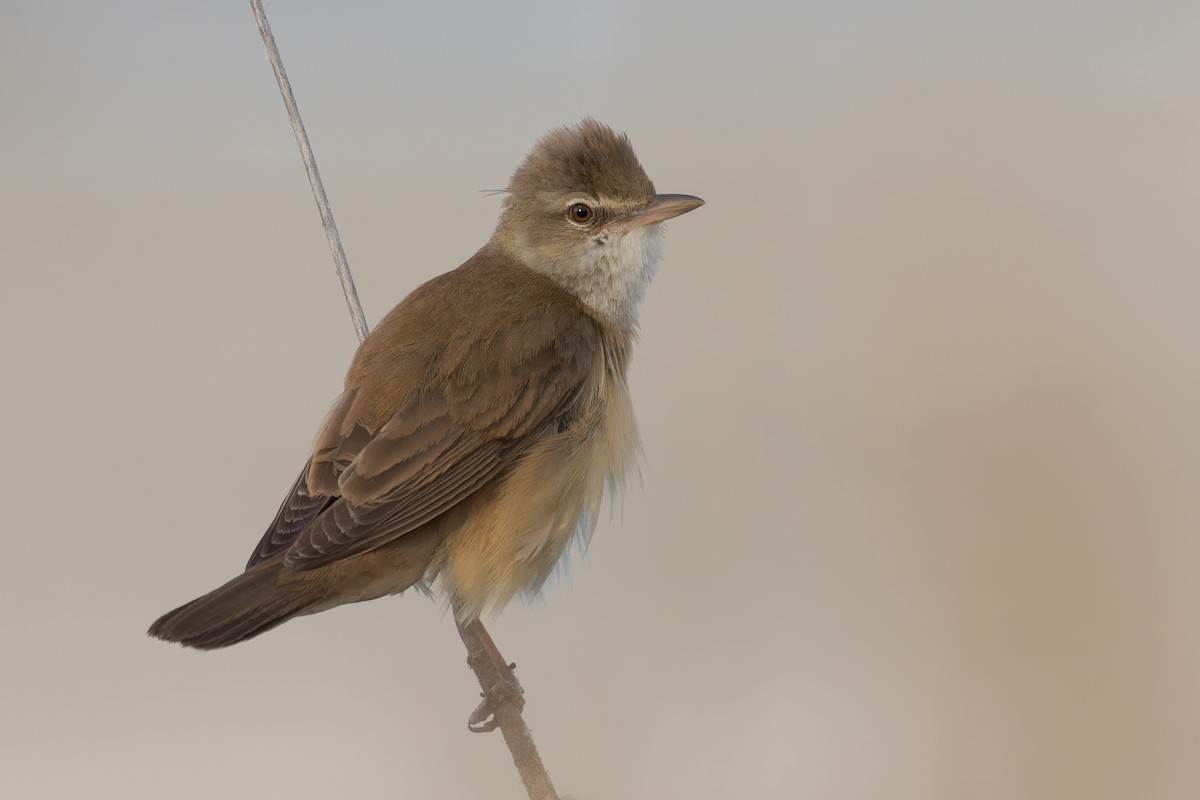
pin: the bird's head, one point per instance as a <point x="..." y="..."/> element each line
<point x="581" y="209"/>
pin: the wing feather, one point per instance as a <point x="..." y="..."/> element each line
<point x="298" y="510"/>
<point x="477" y="413"/>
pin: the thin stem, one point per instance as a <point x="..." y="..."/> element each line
<point x="503" y="700"/>
<point x="502" y="693"/>
<point x="314" y="177"/>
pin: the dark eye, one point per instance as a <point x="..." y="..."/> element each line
<point x="580" y="212"/>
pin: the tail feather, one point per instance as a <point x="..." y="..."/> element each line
<point x="259" y="599"/>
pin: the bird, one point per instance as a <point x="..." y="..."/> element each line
<point x="485" y="418"/>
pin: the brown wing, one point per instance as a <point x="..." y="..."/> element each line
<point x="484" y="402"/>
<point x="297" y="512"/>
<point x="338" y="443"/>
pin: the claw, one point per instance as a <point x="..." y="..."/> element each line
<point x="505" y="692"/>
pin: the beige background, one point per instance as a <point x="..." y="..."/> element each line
<point x="918" y="389"/>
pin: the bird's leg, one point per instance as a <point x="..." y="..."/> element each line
<point x="503" y="700"/>
<point x="489" y="645"/>
<point x="502" y="693"/>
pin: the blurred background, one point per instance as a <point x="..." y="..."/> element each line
<point x="918" y="389"/>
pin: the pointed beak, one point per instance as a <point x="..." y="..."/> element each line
<point x="662" y="208"/>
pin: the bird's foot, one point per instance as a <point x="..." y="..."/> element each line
<point x="506" y="696"/>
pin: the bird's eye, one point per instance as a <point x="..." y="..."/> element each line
<point x="580" y="212"/>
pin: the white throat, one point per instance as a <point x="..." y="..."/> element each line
<point x="613" y="273"/>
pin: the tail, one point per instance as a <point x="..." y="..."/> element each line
<point x="260" y="598"/>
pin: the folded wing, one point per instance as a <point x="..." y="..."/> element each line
<point x="481" y="406"/>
